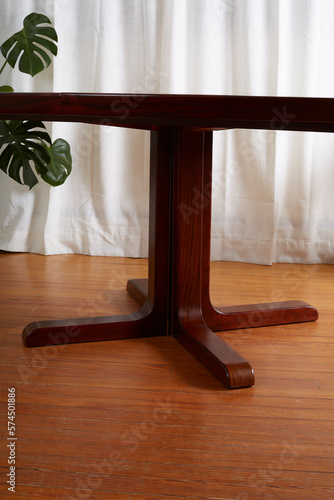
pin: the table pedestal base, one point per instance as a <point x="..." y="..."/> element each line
<point x="175" y="298"/>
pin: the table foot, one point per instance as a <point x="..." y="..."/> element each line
<point x="244" y="316"/>
<point x="193" y="317"/>
<point x="226" y="364"/>
<point x="256" y="315"/>
<point x="142" y="323"/>
<point x="218" y="357"/>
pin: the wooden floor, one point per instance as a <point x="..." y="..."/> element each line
<point x="142" y="419"/>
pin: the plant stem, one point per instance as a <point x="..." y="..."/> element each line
<point x="1" y="70"/>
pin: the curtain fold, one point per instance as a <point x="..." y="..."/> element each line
<point x="272" y="190"/>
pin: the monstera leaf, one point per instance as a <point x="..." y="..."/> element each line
<point x="23" y="144"/>
<point x="6" y="88"/>
<point x="56" y="171"/>
<point x="32" y="45"/>
<point x="26" y="149"/>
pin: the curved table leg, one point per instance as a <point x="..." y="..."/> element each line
<point x="194" y="318"/>
<point x="152" y="318"/>
<point x="217" y="356"/>
<point x="256" y="315"/>
<point x="193" y="157"/>
<point x="243" y="316"/>
<point x="238" y="317"/>
<point x="69" y="331"/>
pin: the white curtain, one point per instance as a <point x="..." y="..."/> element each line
<point x="272" y="191"/>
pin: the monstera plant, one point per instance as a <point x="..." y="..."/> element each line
<point x="26" y="148"/>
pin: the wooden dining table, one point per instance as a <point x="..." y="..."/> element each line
<point x="175" y="299"/>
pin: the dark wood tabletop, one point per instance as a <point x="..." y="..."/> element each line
<point x="152" y="111"/>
